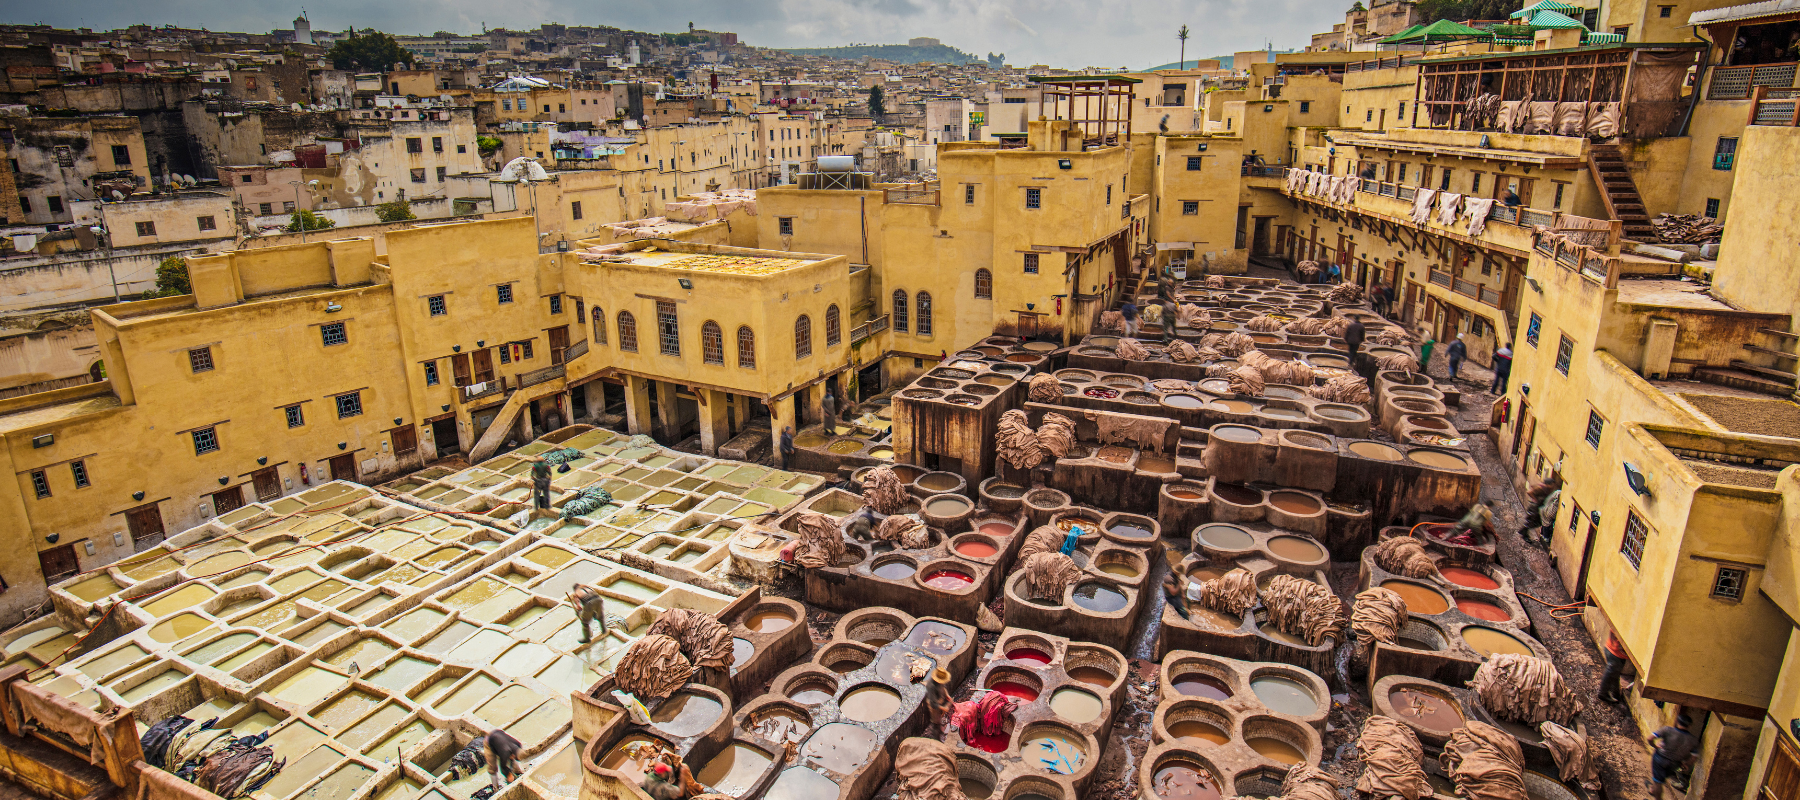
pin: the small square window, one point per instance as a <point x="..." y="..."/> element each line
<point x="56" y="204"/>
<point x="437" y="144"/>
<point x="1595" y="427"/>
<point x="436" y="305"/>
<point x="784" y="226"/>
<point x="287" y="207"/>
<point x="244" y="179"/>
<point x="1565" y="352"/>
<point x="1532" y="329"/>
<point x="462" y="148"/>
<point x="1725" y="153"/>
<point x="40" y="483"/>
<point x="1194" y="163"/>
<point x="1728" y="583"/>
<point x="349" y="405"/>
<point x="265" y="209"/>
<point x="206" y="440"/>
<point x="556" y="304"/>
<point x="206" y="223"/>
<point x="503" y="293"/>
<point x="1031" y="263"/>
<point x="414" y="145"/>
<point x="1034" y="198"/>
<point x="1665" y="11"/>
<point x="431" y="373"/>
<point x="122" y="153"/>
<point x="296" y="416"/>
<point x="969" y="194"/>
<point x="332" y="333"/>
<point x="1712" y="207"/>
<point x="200" y="359"/>
<point x="441" y="173"/>
<point x="146" y="229"/>
<point x="418" y="175"/>
<point x="1305" y="106"/>
<point x="1190" y="208"/>
<point x="78" y="470"/>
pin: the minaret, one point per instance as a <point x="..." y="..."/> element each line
<point x="302" y="30"/>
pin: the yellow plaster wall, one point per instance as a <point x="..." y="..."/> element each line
<point x="1766" y="224"/>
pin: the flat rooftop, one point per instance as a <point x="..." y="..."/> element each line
<point x="1669" y="293"/>
<point x="720" y="263"/>
<point x="362" y="629"/>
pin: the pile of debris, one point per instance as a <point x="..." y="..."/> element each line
<point x="1687" y="229"/>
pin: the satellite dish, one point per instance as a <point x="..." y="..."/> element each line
<point x="1637" y="480"/>
<point x="189" y="178"/>
<point x="523" y="170"/>
<point x="118" y="195"/>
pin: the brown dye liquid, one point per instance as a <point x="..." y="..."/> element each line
<point x="1182" y="782"/>
<point x="1184" y="494"/>
<point x="1237" y="433"/>
<point x="1119" y="568"/>
<point x="1095" y="597"/>
<point x="1425" y="709"/>
<point x="1150" y="463"/>
<point x="1375" y="450"/>
<point x="1226" y="537"/>
<point x="938" y="482"/>
<point x="1295" y="503"/>
<point x="1092" y="676"/>
<point x="686" y="714"/>
<point x="734" y="770"/>
<point x="1296" y="549"/>
<point x="839" y="747"/>
<point x="946" y="506"/>
<point x="1275" y="750"/>
<point x="1129" y="530"/>
<point x="769" y="621"/>
<point x="1419" y="599"/>
<point x="1437" y="460"/>
<point x="1487" y="642"/>
<point x="935" y="637"/>
<point x="1076" y="705"/>
<point x="1283" y="636"/>
<point x="975" y="790"/>
<point x="1207" y="686"/>
<point x="1284" y="695"/>
<point x="1415" y="644"/>
<point x="870" y="704"/>
<point x="1183" y="401"/>
<point x="1197" y="731"/>
<point x="1237" y="494"/>
<point x="1236" y="407"/>
<point x="1214" y="619"/>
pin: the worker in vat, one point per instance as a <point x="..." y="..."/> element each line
<point x="590" y="607"/>
<point x="1130" y="312"/>
<point x="828" y="408"/>
<point x="1175" y="589"/>
<point x="502" y="752"/>
<point x="1478" y="520"/>
<point x="540" y="483"/>
<point x="785" y="446"/>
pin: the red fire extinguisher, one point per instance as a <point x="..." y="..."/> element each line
<point x="1059" y="306"/>
<point x="305" y="479"/>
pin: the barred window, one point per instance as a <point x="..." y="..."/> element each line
<point x="1632" y="545"/>
<point x="1532" y="328"/>
<point x="1728" y="583"/>
<point x="627" y="332"/>
<point x="40" y="483"/>
<point x="712" y="343"/>
<point x="984" y="285"/>
<point x="206" y="440"/>
<point x="900" y="310"/>
<point x="833" y="337"/>
<point x="924" y="309"/>
<point x="349" y="405"/>
<point x="1031" y="263"/>
<point x="1565" y="353"/>
<point x="803" y="336"/>
<point x="200" y="359"/>
<point x="436" y="306"/>
<point x="78" y="470"/>
<point x="599" y="326"/>
<point x="1596" y="425"/>
<point x="332" y="333"/>
<point x="668" y="329"/>
<point x="296" y="416"/>
<point x="746" y="347"/>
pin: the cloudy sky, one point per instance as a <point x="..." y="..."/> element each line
<point x="1065" y="33"/>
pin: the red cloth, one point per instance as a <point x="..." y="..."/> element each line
<point x="983" y="719"/>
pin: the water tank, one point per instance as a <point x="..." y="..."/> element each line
<point x="837" y="163"/>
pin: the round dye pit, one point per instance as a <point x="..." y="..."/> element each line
<point x="1463" y="576"/>
<point x="810" y="693"/>
<point x="1236" y="433"/>
<point x="1005" y="491"/>
<point x="1183" y="401"/>
<point x="1199" y="733"/>
<point x="1237" y="494"/>
<point x="1015" y="690"/>
<point x="976" y="548"/>
<point x="1481" y="609"/>
<point x="1487" y="641"/>
<point x="1420" y="599"/>
<point x="1237" y="407"/>
<point x="1131" y="529"/>
<point x="869" y="703"/>
<point x="839" y="747"/>
<point x="948" y="580"/>
<point x="947" y="506"/>
<point x="936" y="637"/>
<point x="1226" y="537"/>
<point x="844" y="446"/>
<point x="1027" y="654"/>
<point x="1275" y="749"/>
<point x="1284" y="695"/>
<point x="1079" y="706"/>
<point x="741" y="650"/>
<point x="1180" y="780"/>
<point x="735" y="770"/>
<point x="1375" y="450"/>
<point x="1195" y="684"/>
<point x="938" y="481"/>
<point x="894" y="570"/>
<point x="1052" y="747"/>
<point x="1122" y="569"/>
<point x="686" y="714"/>
<point x="1184" y="494"/>
<point x="769" y="621"/>
<point x="883" y="453"/>
<point x="1099" y="598"/>
<point x="1425" y="709"/>
<point x="1438" y="460"/>
<point x="1296" y="549"/>
<point x="1092" y="676"/>
<point x="1295" y="503"/>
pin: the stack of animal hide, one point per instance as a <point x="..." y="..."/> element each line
<point x="704" y="640"/>
<point x="1048" y="574"/>
<point x="1405" y="555"/>
<point x="1378" y="615"/>
<point x="1131" y="350"/>
<point x="1246" y="380"/>
<point x="1521" y="688"/>
<point x="1017" y="442"/>
<point x="1397" y="362"/>
<point x="1342" y="388"/>
<point x="820" y="542"/>
<point x="1304" y="608"/>
<point x="1056" y="434"/>
<point x="883" y="492"/>
<point x="1045" y="388"/>
<point x="1345" y="293"/>
<point x="1181" y="352"/>
<point x="904" y="529"/>
<point x="653" y="667"/>
<point x="1264" y="324"/>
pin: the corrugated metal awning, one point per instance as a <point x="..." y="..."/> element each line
<point x="1766" y="8"/>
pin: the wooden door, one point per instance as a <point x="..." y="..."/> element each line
<point x="58" y="563"/>
<point x="1412" y="299"/>
<point x="1027" y="325"/>
<point x="484" y="365"/>
<point x="145" y="524"/>
<point x="559" y="342"/>
<point x="343" y="468"/>
<point x="1782" y="780"/>
<point x="406" y="441"/>
<point x="459" y="368"/>
<point x="267" y="482"/>
<point x="228" y="501"/>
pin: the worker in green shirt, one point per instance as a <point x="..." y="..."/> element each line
<point x="1425" y="352"/>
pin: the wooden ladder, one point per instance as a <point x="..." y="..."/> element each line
<point x="1619" y="192"/>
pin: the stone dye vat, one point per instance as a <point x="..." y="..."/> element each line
<point x="1452" y="625"/>
<point x="950" y="577"/>
<point x="1263" y="552"/>
<point x="1221" y="722"/>
<point x="1101" y="604"/>
<point x="1068" y="693"/>
<point x="964" y="395"/>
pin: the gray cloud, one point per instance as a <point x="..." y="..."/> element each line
<point x="1064" y="33"/>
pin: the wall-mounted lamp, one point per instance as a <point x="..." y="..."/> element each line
<point x="43" y="440"/>
<point x="333" y="308"/>
<point x="481" y="343"/>
<point x="1268" y="108"/>
<point x="1030" y="306"/>
<point x="1065" y="163"/>
<point x="1484" y="142"/>
<point x="685" y="283"/>
<point x="137" y="495"/>
<point x="261" y="460"/>
<point x="224" y="479"/>
<point x="445" y="407"/>
<point x="88" y="546"/>
<point x="1535" y="286"/>
<point x="1637" y="480"/>
<point x="1202" y="147"/>
<point x="52" y="538"/>
<point x="1594" y="517"/>
<point x="456" y="348"/>
<point x="397" y="420"/>
<point x="342" y="445"/>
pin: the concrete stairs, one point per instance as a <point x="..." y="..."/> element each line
<point x="1619" y="192"/>
<point x="509" y="416"/>
<point x="1768" y="367"/>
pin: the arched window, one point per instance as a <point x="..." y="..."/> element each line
<point x="599" y="327"/>
<point x="627" y="332"/>
<point x="984" y="285"/>
<point x="712" y="343"/>
<point x="832" y="335"/>
<point x="900" y="310"/>
<point x="746" y="347"/>
<point x="924" y="328"/>
<point x="803" y="336"/>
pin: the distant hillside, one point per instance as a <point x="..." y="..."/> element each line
<point x="905" y="54"/>
<point x="1224" y="63"/>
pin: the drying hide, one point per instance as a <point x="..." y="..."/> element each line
<point x="820" y="541"/>
<point x="1233" y="593"/>
<point x="1342" y="388"/>
<point x="1485" y="763"/>
<point x="1056" y="435"/>
<point x="653" y="667"/>
<point x="1264" y="324"/>
<point x="1016" y="442"/>
<point x="704" y="640"/>
<point x="1246" y="380"/>
<point x="1045" y="539"/>
<point x="1405" y="555"/>
<point x="155" y="741"/>
<point x="1309" y="271"/>
<point x="1131" y="350"/>
<point x="1048" y="574"/>
<point x="1045" y="388"/>
<point x="1573" y="756"/>
<point x="905" y="529"/>
<point x="1307" y="782"/>
<point x="1110" y="322"/>
<point x="1345" y="293"/>
<point x="1304" y="608"/>
<point x="1378" y="615"/>
<point x="1521" y="688"/>
<point x="1233" y="344"/>
<point x="1391" y="757"/>
<point x="1397" y="362"/>
<point x="925" y="769"/>
<point x="1181" y="352"/>
<point x="883" y="492"/>
<point x="1188" y="315"/>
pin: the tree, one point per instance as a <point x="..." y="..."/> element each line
<point x="1183" y="36"/>
<point x="304" y="220"/>
<point x="396" y="211"/>
<point x="373" y="51"/>
<point x="488" y="144"/>
<point x="877" y="102"/>
<point x="171" y="279"/>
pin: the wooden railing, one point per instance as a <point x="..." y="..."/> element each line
<point x="868" y="329"/>
<point x="924" y="194"/>
<point x="538" y="376"/>
<point x="575" y="351"/>
<point x="489" y="389"/>
<point x="1595" y="232"/>
<point x="1737" y="83"/>
<point x="1252" y="171"/>
<point x="1592" y="262"/>
<point x="1770" y="105"/>
<point x="1380" y="63"/>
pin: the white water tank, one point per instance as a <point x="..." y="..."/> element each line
<point x="837" y="163"/>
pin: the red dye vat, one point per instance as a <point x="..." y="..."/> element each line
<point x="996" y="529"/>
<point x="993" y="744"/>
<point x="1463" y="576"/>
<point x="975" y="548"/>
<point x="1027" y="654"/>
<point x="948" y="580"/>
<point x="1483" y="610"/>
<point x="1018" y="691"/>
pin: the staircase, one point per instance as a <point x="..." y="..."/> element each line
<point x="1619" y="192"/>
<point x="502" y="426"/>
<point x="1767" y="368"/>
